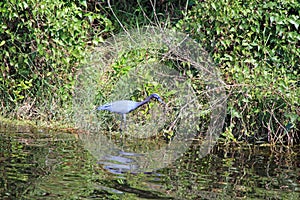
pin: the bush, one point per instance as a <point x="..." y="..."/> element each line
<point x="256" y="45"/>
<point x="42" y="45"/>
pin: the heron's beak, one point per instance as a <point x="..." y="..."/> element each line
<point x="161" y="101"/>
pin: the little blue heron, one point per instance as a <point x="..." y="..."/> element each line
<point x="126" y="106"/>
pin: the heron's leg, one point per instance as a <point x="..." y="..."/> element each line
<point x="124" y="120"/>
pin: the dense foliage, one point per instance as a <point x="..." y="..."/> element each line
<point x="254" y="43"/>
<point x="42" y="45"/>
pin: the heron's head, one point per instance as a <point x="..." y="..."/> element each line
<point x="157" y="97"/>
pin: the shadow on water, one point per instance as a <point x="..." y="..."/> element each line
<point x="36" y="163"/>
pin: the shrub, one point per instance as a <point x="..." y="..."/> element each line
<point x="256" y="45"/>
<point x="42" y="44"/>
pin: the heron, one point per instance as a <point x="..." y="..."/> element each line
<point x="124" y="107"/>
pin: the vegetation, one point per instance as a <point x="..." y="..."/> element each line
<point x="255" y="45"/>
<point x="42" y="45"/>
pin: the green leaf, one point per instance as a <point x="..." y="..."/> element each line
<point x="2" y="43"/>
<point x="83" y="2"/>
<point x="295" y="23"/>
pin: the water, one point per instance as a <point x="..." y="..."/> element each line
<point x="37" y="164"/>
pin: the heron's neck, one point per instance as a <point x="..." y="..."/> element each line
<point x="144" y="102"/>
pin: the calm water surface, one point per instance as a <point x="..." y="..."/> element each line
<point x="42" y="164"/>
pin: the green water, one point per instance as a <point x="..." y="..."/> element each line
<point x="41" y="164"/>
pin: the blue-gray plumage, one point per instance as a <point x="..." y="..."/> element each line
<point x="126" y="106"/>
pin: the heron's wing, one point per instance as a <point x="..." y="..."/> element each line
<point x="123" y="106"/>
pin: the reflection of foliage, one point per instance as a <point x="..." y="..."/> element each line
<point x="225" y="174"/>
<point x="35" y="162"/>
